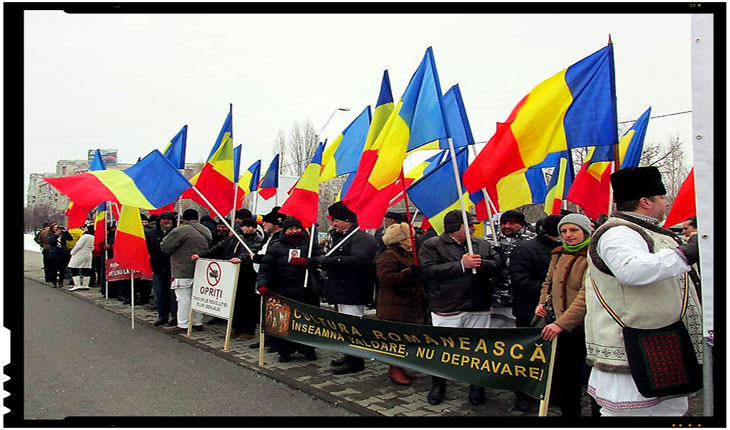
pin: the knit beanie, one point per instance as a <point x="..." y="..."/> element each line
<point x="454" y="219"/>
<point x="513" y="216"/>
<point x="248" y="222"/>
<point x="395" y="233"/>
<point x="243" y="213"/>
<point x="291" y="222"/>
<point x="581" y="221"/>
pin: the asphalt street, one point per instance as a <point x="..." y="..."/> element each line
<point x="81" y="360"/>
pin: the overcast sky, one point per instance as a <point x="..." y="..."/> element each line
<point x="130" y="82"/>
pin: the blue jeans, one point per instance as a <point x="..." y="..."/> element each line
<point x="165" y="300"/>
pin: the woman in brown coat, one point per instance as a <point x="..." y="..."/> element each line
<point x="564" y="292"/>
<point x="399" y="290"/>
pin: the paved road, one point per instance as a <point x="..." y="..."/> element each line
<point x="80" y="359"/>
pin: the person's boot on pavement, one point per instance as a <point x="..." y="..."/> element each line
<point x="396" y="375"/>
<point x="438" y="391"/>
<point x="476" y="395"/>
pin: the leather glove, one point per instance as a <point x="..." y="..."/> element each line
<point x="298" y="261"/>
<point x="690" y="250"/>
<point x="316" y="261"/>
<point x="416" y="271"/>
<point x="262" y="290"/>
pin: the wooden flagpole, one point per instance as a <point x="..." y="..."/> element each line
<point x="544" y="403"/>
<point x="261" y="332"/>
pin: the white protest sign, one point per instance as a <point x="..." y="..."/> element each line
<point x="214" y="287"/>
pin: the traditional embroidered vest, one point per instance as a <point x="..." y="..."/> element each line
<point x="648" y="306"/>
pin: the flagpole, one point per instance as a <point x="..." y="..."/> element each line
<point x="233" y="211"/>
<point x="309" y="253"/>
<point x="255" y="202"/>
<point x="261" y="332"/>
<point x="106" y="251"/>
<point x="131" y="299"/>
<point x="342" y="241"/>
<point x="408" y="215"/>
<point x="415" y="214"/>
<point x="610" y="190"/>
<point x="487" y="203"/>
<point x="179" y="207"/>
<point x="223" y="219"/>
<point x="465" y="219"/>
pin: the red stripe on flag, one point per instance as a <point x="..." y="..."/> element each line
<point x="373" y="204"/>
<point x="590" y="194"/>
<point x="267" y="193"/>
<point x="367" y="162"/>
<point x="130" y="251"/>
<point x="500" y="157"/>
<point x="303" y="205"/>
<point x="166" y="208"/>
<point x="684" y="205"/>
<point x="215" y="187"/>
<point x="84" y="189"/>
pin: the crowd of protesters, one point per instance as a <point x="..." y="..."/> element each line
<point x="524" y="279"/>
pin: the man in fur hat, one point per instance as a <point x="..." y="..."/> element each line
<point x="350" y="274"/>
<point x="640" y="270"/>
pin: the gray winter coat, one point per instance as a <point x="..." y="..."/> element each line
<point x="451" y="288"/>
<point x="181" y="243"/>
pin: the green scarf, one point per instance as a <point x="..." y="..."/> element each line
<point x="578" y="247"/>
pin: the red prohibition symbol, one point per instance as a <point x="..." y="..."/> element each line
<point x="213" y="273"/>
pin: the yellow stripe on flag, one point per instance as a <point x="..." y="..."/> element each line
<point x="513" y="191"/>
<point x="130" y="222"/>
<point x="123" y="187"/>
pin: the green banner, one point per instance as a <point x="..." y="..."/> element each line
<point x="515" y="359"/>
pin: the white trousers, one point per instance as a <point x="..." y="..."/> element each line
<point x="354" y="310"/>
<point x="184" y="297"/>
<point x="501" y="317"/>
<point x="618" y="396"/>
<point x="462" y="320"/>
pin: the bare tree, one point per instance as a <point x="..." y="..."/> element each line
<point x="296" y="150"/>
<point x="671" y="161"/>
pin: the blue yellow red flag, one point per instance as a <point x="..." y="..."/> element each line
<point x="342" y="156"/>
<point x="270" y="182"/>
<point x="130" y="246"/>
<point x="175" y="149"/>
<point x="303" y="200"/>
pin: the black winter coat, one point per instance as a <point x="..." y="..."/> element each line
<point x="529" y="264"/>
<point x="232" y="248"/>
<point x="451" y="288"/>
<point x="280" y="277"/>
<point x="159" y="261"/>
<point x="58" y="249"/>
<point x="350" y="269"/>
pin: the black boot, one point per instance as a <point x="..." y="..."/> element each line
<point x="476" y="395"/>
<point x="438" y="391"/>
<point x="339" y="362"/>
<point x="352" y="365"/>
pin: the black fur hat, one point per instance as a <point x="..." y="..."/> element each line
<point x="634" y="183"/>
<point x="341" y="212"/>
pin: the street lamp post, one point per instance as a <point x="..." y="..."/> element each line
<point x="343" y="109"/>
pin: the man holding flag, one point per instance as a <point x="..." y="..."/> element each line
<point x="182" y="242"/>
<point x="457" y="296"/>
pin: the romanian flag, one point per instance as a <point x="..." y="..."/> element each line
<point x="574" y="108"/>
<point x="226" y="131"/>
<point x="240" y="193"/>
<point x="304" y="199"/>
<point x="343" y="155"/>
<point x="591" y="187"/>
<point x="684" y="205"/>
<point x="175" y="149"/>
<point x="417" y="119"/>
<point x="560" y="183"/>
<point x="151" y="183"/>
<point x="175" y="152"/>
<point x="215" y="180"/>
<point x="98" y="162"/>
<point x="130" y="246"/>
<point x="436" y="194"/>
<point x="269" y="184"/>
<point x="100" y="221"/>
<point x="417" y="172"/>
<point x="356" y="182"/>
<point x="250" y="178"/>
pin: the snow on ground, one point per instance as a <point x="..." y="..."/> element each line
<point x="29" y="244"/>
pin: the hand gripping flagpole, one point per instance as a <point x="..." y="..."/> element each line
<point x="223" y="219"/>
<point x="457" y="177"/>
<point x="487" y="203"/>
